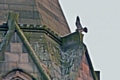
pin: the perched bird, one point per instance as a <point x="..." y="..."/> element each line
<point x="79" y="26"/>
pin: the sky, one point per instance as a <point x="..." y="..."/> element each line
<point x="102" y="18"/>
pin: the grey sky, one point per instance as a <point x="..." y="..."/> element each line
<point x="102" y="17"/>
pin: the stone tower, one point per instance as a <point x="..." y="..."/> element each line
<point x="36" y="43"/>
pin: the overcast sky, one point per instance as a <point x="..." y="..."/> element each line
<point x="102" y="17"/>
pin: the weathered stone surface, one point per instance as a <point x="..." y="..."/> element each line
<point x="84" y="72"/>
<point x="89" y="78"/>
<point x="59" y="62"/>
<point x="85" y="68"/>
<point x="12" y="65"/>
<point x="79" y="78"/>
<point x="23" y="7"/>
<point x="3" y="6"/>
<point x="42" y="12"/>
<point x="16" y="47"/>
<point x="11" y="57"/>
<point x="24" y="57"/>
<point x="26" y="66"/>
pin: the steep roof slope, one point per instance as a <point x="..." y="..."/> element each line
<point x="37" y="12"/>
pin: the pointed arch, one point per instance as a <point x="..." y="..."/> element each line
<point x="18" y="74"/>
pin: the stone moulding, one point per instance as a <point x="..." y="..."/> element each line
<point x="35" y="28"/>
<point x="21" y="70"/>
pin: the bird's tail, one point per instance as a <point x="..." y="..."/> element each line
<point x="85" y="29"/>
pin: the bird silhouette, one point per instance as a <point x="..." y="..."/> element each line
<point x="79" y="26"/>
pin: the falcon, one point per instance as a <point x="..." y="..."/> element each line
<point x="79" y="26"/>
